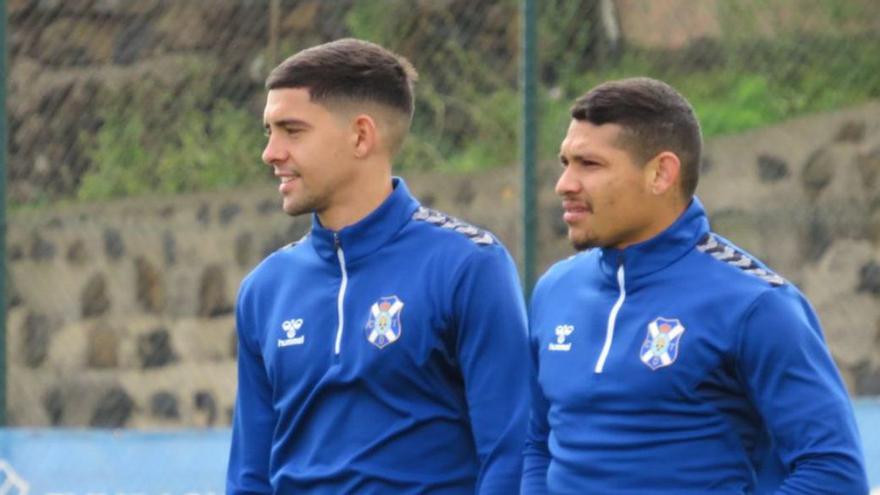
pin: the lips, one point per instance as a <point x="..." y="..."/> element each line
<point x="288" y="181"/>
<point x="574" y="211"/>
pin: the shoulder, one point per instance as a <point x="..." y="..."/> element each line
<point x="745" y="282"/>
<point x="577" y="271"/>
<point x="576" y="265"/>
<point x="736" y="265"/>
<point x="439" y="227"/>
<point x="459" y="249"/>
<point x="270" y="267"/>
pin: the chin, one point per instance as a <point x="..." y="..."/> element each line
<point x="582" y="242"/>
<point x="581" y="245"/>
<point x="294" y="210"/>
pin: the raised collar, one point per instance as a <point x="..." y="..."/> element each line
<point x="371" y="232"/>
<point x="661" y="250"/>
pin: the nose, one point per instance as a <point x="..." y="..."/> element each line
<point x="273" y="153"/>
<point x="567" y="183"/>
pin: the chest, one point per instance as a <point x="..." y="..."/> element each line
<point x="381" y="321"/>
<point x="607" y="346"/>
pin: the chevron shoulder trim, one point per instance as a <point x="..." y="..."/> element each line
<point x="440" y="219"/>
<point x="723" y="251"/>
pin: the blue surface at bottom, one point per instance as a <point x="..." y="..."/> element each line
<point x="187" y="462"/>
<point x="121" y="462"/>
<point x="868" y="418"/>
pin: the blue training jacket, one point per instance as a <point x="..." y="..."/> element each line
<point x="668" y="367"/>
<point x="383" y="358"/>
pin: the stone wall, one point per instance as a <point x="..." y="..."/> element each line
<point x="121" y="312"/>
<point x="805" y="196"/>
<point x="675" y="24"/>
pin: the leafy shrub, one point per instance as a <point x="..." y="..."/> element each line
<point x="158" y="141"/>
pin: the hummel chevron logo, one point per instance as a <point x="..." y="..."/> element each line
<point x="562" y="331"/>
<point x="290" y="327"/>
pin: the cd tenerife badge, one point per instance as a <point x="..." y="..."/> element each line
<point x="383" y="326"/>
<point x="662" y="343"/>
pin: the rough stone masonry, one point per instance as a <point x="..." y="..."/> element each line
<point x="121" y="312"/>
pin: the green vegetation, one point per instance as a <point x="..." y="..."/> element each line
<point x="747" y="86"/>
<point x="158" y="141"/>
<point x="468" y="108"/>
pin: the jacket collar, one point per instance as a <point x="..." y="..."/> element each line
<point x="370" y="233"/>
<point x="661" y="250"/>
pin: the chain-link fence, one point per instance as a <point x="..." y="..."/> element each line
<point x="120" y="309"/>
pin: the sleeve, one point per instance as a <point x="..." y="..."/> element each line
<point x="253" y="419"/>
<point x="795" y="386"/>
<point x="536" y="455"/>
<point x="492" y="351"/>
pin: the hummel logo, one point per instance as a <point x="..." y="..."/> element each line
<point x="10" y="481"/>
<point x="562" y="331"/>
<point x="290" y="327"/>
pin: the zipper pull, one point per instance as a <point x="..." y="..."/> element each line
<point x="336" y="242"/>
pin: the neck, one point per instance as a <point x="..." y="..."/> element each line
<point x="665" y="214"/>
<point x="668" y="215"/>
<point x="366" y="194"/>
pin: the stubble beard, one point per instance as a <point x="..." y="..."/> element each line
<point x="582" y="242"/>
<point x="302" y="205"/>
<point x="582" y="245"/>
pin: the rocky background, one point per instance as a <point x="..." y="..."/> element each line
<point x="121" y="313"/>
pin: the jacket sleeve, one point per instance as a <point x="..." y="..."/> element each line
<point x="536" y="456"/>
<point x="794" y="384"/>
<point x="253" y="419"/>
<point x="492" y="352"/>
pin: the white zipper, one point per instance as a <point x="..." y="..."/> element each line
<point x="341" y="298"/>
<point x="612" y="319"/>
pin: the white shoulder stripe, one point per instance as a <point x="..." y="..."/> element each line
<point x="720" y="250"/>
<point x="442" y="220"/>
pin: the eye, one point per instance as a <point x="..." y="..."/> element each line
<point x="563" y="161"/>
<point x="587" y="163"/>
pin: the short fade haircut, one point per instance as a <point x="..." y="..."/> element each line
<point x="654" y="117"/>
<point x="351" y="70"/>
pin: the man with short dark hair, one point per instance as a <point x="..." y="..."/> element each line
<point x="382" y="353"/>
<point x="668" y="360"/>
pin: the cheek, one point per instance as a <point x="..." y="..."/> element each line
<point x="629" y="199"/>
<point x="310" y="153"/>
<point x="608" y="192"/>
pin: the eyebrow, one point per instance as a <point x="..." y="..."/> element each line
<point x="583" y="157"/>
<point x="286" y="123"/>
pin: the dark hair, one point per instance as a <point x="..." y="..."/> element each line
<point x="655" y="118"/>
<point x="352" y="70"/>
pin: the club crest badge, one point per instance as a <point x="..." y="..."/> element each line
<point x="383" y="326"/>
<point x="662" y="343"/>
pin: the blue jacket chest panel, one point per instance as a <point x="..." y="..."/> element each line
<point x="418" y="330"/>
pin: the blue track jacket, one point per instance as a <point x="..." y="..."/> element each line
<point x="385" y="358"/>
<point x="669" y="366"/>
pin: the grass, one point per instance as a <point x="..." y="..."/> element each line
<point x="153" y="141"/>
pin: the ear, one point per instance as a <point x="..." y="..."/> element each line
<point x="664" y="171"/>
<point x="365" y="135"/>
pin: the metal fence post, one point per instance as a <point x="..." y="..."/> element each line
<point x="3" y="139"/>
<point x="529" y="86"/>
